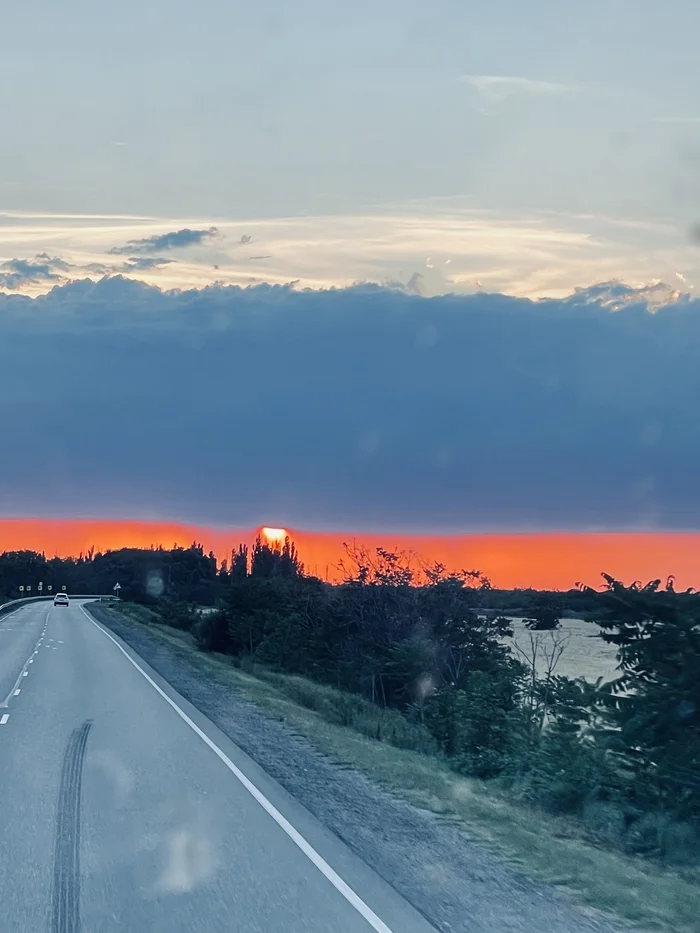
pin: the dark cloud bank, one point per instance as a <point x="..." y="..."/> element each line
<point x="361" y="408"/>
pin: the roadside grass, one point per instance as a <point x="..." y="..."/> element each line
<point x="543" y="847"/>
<point x="134" y="612"/>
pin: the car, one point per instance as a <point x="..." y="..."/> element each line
<point x="61" y="599"/>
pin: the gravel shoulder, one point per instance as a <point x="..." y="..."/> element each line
<point x="455" y="882"/>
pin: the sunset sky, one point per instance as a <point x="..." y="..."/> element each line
<point x="545" y="561"/>
<point x="424" y="277"/>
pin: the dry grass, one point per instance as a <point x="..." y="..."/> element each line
<point x="543" y="847"/>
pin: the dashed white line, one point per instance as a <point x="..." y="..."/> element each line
<point x="30" y="660"/>
<point x="17" y="692"/>
<point x="4" y="718"/>
<point x="314" y="857"/>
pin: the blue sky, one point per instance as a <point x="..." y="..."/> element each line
<point x="246" y="112"/>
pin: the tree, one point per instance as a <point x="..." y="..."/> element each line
<point x="540" y="658"/>
<point x="653" y="707"/>
<point x="270" y="559"/>
<point x="239" y="563"/>
<point x="544" y="612"/>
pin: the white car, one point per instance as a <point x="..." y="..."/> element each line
<point x="61" y="599"/>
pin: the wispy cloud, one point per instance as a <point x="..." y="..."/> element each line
<point x="677" y="121"/>
<point x="498" y="87"/>
<point x="144" y="263"/>
<point x="177" y="239"/>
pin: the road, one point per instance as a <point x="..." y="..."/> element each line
<point x="124" y="808"/>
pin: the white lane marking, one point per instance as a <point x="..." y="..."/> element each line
<point x="347" y="892"/>
<point x="30" y="660"/>
<point x="4" y="718"/>
<point x="17" y="692"/>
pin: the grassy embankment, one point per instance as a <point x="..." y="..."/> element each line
<point x="344" y="727"/>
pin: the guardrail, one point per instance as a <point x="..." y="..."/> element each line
<point x="18" y="603"/>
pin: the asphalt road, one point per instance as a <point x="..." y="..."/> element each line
<point x="124" y="808"/>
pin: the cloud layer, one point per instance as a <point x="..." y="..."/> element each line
<point x="443" y="245"/>
<point x="360" y="408"/>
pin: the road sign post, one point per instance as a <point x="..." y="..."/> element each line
<point x="117" y="587"/>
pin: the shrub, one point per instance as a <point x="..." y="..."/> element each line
<point x="211" y="632"/>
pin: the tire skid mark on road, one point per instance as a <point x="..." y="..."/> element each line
<point x="65" y="902"/>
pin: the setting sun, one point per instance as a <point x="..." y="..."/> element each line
<point x="274" y="535"/>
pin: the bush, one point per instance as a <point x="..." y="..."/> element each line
<point x="475" y="727"/>
<point x="177" y="615"/>
<point x="657" y="834"/>
<point x="211" y="632"/>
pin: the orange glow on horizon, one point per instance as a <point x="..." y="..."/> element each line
<point x="554" y="560"/>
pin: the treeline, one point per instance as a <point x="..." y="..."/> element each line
<point x="181" y="575"/>
<point x="143" y="574"/>
<point x="191" y="575"/>
<point x="621" y="758"/>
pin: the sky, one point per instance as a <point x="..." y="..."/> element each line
<point x="383" y="268"/>
<point x="531" y="148"/>
<point x="556" y="561"/>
